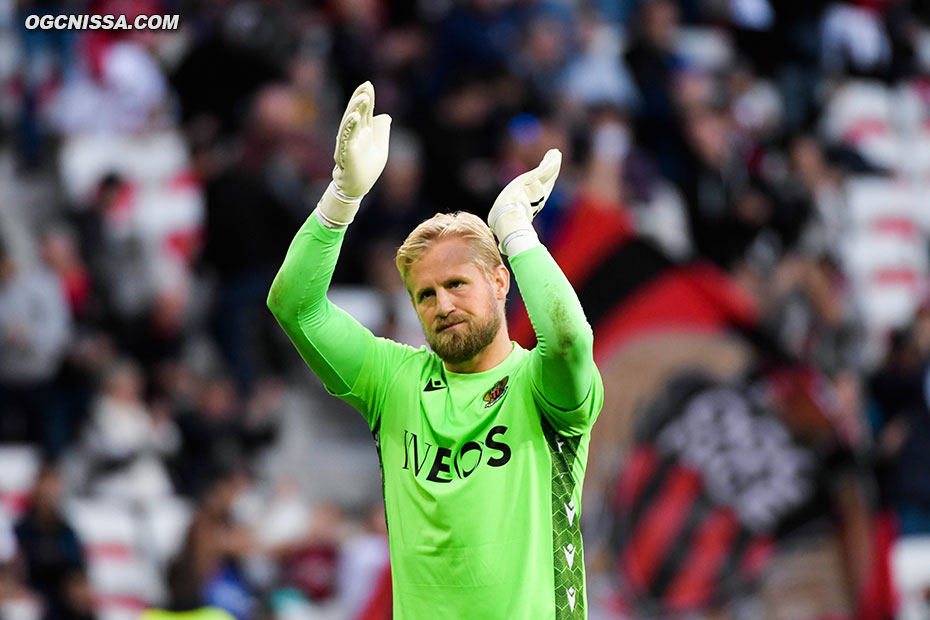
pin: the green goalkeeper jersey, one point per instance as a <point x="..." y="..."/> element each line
<point x="482" y="473"/>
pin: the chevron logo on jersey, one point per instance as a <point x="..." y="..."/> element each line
<point x="433" y="384"/>
<point x="494" y="394"/>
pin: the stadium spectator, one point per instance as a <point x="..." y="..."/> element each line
<point x="53" y="554"/>
<point x="247" y="221"/>
<point x="208" y="570"/>
<point x="597" y="75"/>
<point x="901" y="416"/>
<point x="309" y="566"/>
<point x="655" y="64"/>
<point x="124" y="445"/>
<point x="221" y="431"/>
<point x="60" y="254"/>
<point x="35" y="331"/>
<point x="157" y="338"/>
<point x="17" y="600"/>
<point x="67" y="401"/>
<point x="117" y="85"/>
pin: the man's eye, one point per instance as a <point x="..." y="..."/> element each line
<point x="456" y="284"/>
<point x="425" y="294"/>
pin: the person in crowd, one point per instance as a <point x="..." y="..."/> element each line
<point x="900" y="393"/>
<point x="208" y="571"/>
<point x="220" y="431"/>
<point x="125" y="444"/>
<point x="17" y="599"/>
<point x="35" y="331"/>
<point x="54" y="556"/>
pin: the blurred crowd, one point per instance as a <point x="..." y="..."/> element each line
<point x="152" y="182"/>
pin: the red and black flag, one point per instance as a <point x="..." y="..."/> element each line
<point x="716" y="478"/>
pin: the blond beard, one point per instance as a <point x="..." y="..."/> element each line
<point x="464" y="344"/>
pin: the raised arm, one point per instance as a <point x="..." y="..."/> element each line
<point x="333" y="344"/>
<point x="564" y="375"/>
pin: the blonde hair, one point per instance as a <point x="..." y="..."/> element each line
<point x="444" y="225"/>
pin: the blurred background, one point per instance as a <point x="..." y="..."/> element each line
<point x="743" y="208"/>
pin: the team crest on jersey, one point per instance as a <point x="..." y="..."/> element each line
<point x="494" y="394"/>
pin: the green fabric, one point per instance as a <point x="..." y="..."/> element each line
<point x="331" y="342"/>
<point x="563" y="359"/>
<point x="482" y="471"/>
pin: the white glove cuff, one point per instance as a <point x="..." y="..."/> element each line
<point x="335" y="209"/>
<point x="519" y="241"/>
<point x="514" y="229"/>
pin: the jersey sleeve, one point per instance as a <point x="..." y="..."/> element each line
<point x="352" y="363"/>
<point x="564" y="379"/>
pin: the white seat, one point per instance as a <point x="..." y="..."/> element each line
<point x="363" y="303"/>
<point x="885" y="150"/>
<point x="131" y="578"/>
<point x="116" y="539"/>
<point x="857" y="109"/>
<point x="285" y="520"/>
<point x="119" y="609"/>
<point x="887" y="306"/>
<point x="163" y="213"/>
<point x="705" y="47"/>
<point x="910" y="570"/>
<point x="102" y="521"/>
<point x="166" y="524"/>
<point x="146" y="159"/>
<point x="870" y="199"/>
<point x="868" y="252"/>
<point x="861" y="114"/>
<point x="19" y="465"/>
<point x="920" y="156"/>
<point x="885" y="252"/>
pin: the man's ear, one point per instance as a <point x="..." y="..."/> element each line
<point x="501" y="281"/>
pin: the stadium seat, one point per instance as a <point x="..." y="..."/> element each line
<point x="19" y="465"/>
<point x="857" y="110"/>
<point x="867" y="252"/>
<point x="707" y="48"/>
<point x="364" y="304"/>
<point x="870" y="199"/>
<point x="885" y="255"/>
<point x="166" y="523"/>
<point x="861" y="114"/>
<point x="146" y="159"/>
<point x="118" y="541"/>
<point x="910" y="568"/>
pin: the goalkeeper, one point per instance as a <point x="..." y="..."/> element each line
<point x="483" y="444"/>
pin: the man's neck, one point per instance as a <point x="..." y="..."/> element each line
<point x="488" y="358"/>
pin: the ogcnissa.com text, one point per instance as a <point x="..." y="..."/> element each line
<point x="102" y="22"/>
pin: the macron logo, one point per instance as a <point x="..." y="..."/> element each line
<point x="569" y="551"/>
<point x="433" y="384"/>
<point x="570" y="511"/>
<point x="571" y="598"/>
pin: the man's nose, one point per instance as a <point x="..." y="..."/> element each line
<point x="444" y="305"/>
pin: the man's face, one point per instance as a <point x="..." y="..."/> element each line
<point x="460" y="307"/>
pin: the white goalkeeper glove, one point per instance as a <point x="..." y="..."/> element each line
<point x="511" y="217"/>
<point x="361" y="152"/>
